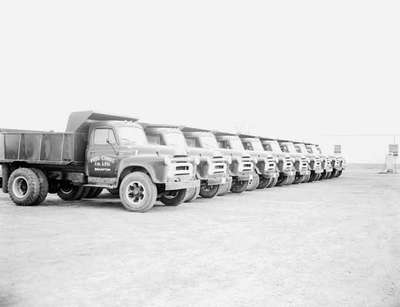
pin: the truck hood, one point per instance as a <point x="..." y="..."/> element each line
<point x="161" y="150"/>
<point x="259" y="154"/>
<point x="233" y="153"/>
<point x="203" y="152"/>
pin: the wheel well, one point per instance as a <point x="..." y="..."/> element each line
<point x="131" y="169"/>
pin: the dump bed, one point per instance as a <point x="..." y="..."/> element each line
<point x="42" y="147"/>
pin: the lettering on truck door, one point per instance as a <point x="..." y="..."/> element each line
<point x="102" y="155"/>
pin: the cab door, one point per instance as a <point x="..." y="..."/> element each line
<point x="102" y="153"/>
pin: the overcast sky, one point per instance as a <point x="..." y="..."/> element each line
<point x="298" y="69"/>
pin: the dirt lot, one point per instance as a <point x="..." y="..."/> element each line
<point x="332" y="243"/>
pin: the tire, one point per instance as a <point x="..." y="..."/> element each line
<point x="69" y="192"/>
<point x="94" y="192"/>
<point x="340" y="173"/>
<point x="299" y="179"/>
<point x="208" y="191"/>
<point x="281" y="179"/>
<point x="191" y="194"/>
<point x="253" y="184"/>
<point x="224" y="189"/>
<point x="264" y="182"/>
<point x="313" y="176"/>
<point x="173" y="198"/>
<point x="273" y="183"/>
<point x="137" y="192"/>
<point x="44" y="186"/>
<point x="24" y="187"/>
<point x="239" y="186"/>
<point x="306" y="179"/>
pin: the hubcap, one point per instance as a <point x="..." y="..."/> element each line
<point x="135" y="192"/>
<point x="20" y="187"/>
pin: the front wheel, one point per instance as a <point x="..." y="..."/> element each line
<point x="223" y="189"/>
<point x="239" y="186"/>
<point x="191" y="194"/>
<point x="264" y="182"/>
<point x="137" y="192"/>
<point x="253" y="183"/>
<point x="208" y="191"/>
<point x="174" y="197"/>
<point x="273" y="182"/>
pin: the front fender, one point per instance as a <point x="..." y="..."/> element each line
<point x="153" y="165"/>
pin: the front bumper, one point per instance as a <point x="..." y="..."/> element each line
<point x="304" y="172"/>
<point x="244" y="176"/>
<point x="217" y="180"/>
<point x="271" y="174"/>
<point x="179" y="185"/>
<point x="318" y="170"/>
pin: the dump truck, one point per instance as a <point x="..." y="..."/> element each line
<point x="240" y="163"/>
<point x="203" y="143"/>
<point x="325" y="160"/>
<point x="287" y="172"/>
<point x="210" y="166"/>
<point x="97" y="151"/>
<point x="314" y="161"/>
<point x="265" y="165"/>
<point x="300" y="161"/>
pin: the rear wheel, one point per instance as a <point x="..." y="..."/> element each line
<point x="208" y="191"/>
<point x="191" y="194"/>
<point x="69" y="192"/>
<point x="44" y="186"/>
<point x="137" y="192"/>
<point x="24" y="187"/>
<point x="239" y="186"/>
<point x="253" y="183"/>
<point x="174" y="197"/>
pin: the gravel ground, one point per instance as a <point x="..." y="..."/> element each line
<point x="331" y="243"/>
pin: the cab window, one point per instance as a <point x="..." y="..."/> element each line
<point x="224" y="144"/>
<point x="267" y="147"/>
<point x="192" y="142"/>
<point x="154" y="139"/>
<point x="284" y="148"/>
<point x="248" y="146"/>
<point x="103" y="136"/>
<point x="298" y="149"/>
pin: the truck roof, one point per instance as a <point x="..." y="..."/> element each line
<point x="223" y="133"/>
<point x="192" y="129"/>
<point x="242" y="135"/>
<point x="79" y="121"/>
<point x="148" y="125"/>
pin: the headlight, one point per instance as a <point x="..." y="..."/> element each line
<point x="229" y="159"/>
<point x="209" y="161"/>
<point x="276" y="160"/>
<point x="167" y="160"/>
<point x="255" y="160"/>
<point x="293" y="160"/>
<point x="308" y="160"/>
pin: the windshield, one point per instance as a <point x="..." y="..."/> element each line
<point x="318" y="149"/>
<point x="303" y="148"/>
<point x="175" y="139"/>
<point x="208" y="141"/>
<point x="272" y="146"/>
<point x="257" y="145"/>
<point x="236" y="143"/>
<point x="288" y="147"/>
<point x="131" y="135"/>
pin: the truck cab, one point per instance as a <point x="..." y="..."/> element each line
<point x="325" y="161"/>
<point x="300" y="161"/>
<point x="97" y="151"/>
<point x="286" y="170"/>
<point x="240" y="165"/>
<point x="210" y="167"/>
<point x="314" y="160"/>
<point x="264" y="162"/>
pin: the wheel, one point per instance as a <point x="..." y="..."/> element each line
<point x="281" y="179"/>
<point x="239" y="186"/>
<point x="264" y="182"/>
<point x="174" y="197"/>
<point x="340" y="173"/>
<point x="208" y="191"/>
<point x="94" y="192"/>
<point x="69" y="192"/>
<point x="24" y="187"/>
<point x="223" y="189"/>
<point x="273" y="183"/>
<point x="191" y="194"/>
<point x="306" y="178"/>
<point x="113" y="192"/>
<point x="137" y="192"/>
<point x="299" y="179"/>
<point x="313" y="176"/>
<point x="253" y="183"/>
<point x="44" y="186"/>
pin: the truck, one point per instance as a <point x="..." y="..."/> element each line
<point x="300" y="161"/>
<point x="314" y="161"/>
<point x="325" y="160"/>
<point x="202" y="142"/>
<point x="210" y="167"/>
<point x="240" y="164"/>
<point x="287" y="172"/>
<point x="264" y="162"/>
<point x="96" y="151"/>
